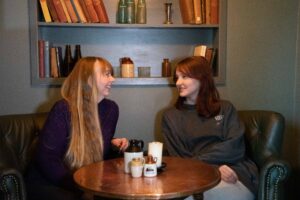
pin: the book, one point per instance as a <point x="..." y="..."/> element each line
<point x="214" y="11"/>
<point x="85" y="11"/>
<point x="91" y="10"/>
<point x="41" y="58"/>
<point x="200" y="50"/>
<point x="60" y="11"/>
<point x="66" y="11"/>
<point x="71" y="11"/>
<point x="78" y="10"/>
<point x="47" y="58"/>
<point x="101" y="11"/>
<point x="45" y="10"/>
<point x="53" y="63"/>
<point x="187" y="11"/>
<point x="207" y="11"/>
<point x="208" y="55"/>
<point x="197" y="11"/>
<point x="52" y="11"/>
<point x="203" y="11"/>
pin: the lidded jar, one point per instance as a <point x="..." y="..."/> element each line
<point x="150" y="168"/>
<point x="127" y="68"/>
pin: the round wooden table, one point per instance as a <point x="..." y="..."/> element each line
<point x="180" y="178"/>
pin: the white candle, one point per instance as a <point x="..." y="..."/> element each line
<point x="155" y="149"/>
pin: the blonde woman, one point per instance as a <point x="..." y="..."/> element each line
<point x="79" y="131"/>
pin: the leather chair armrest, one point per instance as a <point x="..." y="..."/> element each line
<point x="12" y="185"/>
<point x="273" y="174"/>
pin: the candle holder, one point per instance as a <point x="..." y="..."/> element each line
<point x="168" y="12"/>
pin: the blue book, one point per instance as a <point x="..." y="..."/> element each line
<point x="47" y="59"/>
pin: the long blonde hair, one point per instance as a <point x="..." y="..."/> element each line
<point x="80" y="91"/>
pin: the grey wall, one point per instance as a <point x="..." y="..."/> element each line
<point x="262" y="70"/>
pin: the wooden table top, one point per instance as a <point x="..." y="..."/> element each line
<point x="180" y="178"/>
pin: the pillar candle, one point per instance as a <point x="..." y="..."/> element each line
<point x="155" y="149"/>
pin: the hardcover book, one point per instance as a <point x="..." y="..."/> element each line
<point x="60" y="11"/>
<point x="101" y="11"/>
<point x="207" y="11"/>
<point x="198" y="11"/>
<point x="200" y="50"/>
<point x="85" y="11"/>
<point x="91" y="10"/>
<point x="214" y="12"/>
<point x="47" y="58"/>
<point x="52" y="11"/>
<point x="41" y="50"/>
<point x="187" y="11"/>
<point x="71" y="11"/>
<point x="66" y="11"/>
<point x="45" y="10"/>
<point x="78" y="10"/>
<point x="53" y="63"/>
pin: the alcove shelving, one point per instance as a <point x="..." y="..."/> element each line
<point x="146" y="44"/>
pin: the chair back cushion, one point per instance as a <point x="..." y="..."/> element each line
<point x="18" y="138"/>
<point x="264" y="134"/>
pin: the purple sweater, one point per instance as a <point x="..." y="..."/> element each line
<point x="54" y="139"/>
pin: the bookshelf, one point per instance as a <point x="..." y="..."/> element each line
<point x="146" y="44"/>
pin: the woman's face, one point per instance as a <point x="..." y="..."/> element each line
<point x="104" y="80"/>
<point x="187" y="87"/>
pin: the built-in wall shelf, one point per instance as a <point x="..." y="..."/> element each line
<point x="146" y="44"/>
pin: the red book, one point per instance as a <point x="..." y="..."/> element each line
<point x="52" y="11"/>
<point x="92" y="12"/>
<point x="85" y="11"/>
<point x="101" y="11"/>
<point x="60" y="11"/>
<point x="214" y="12"/>
<point x="41" y="49"/>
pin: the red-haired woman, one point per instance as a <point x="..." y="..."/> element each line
<point x="204" y="127"/>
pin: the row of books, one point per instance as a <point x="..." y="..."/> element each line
<point x="74" y="11"/>
<point x="51" y="62"/>
<point x="210" y="54"/>
<point x="199" y="11"/>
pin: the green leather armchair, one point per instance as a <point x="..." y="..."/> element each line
<point x="264" y="136"/>
<point x="18" y="137"/>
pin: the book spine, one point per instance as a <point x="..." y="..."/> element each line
<point x="45" y="10"/>
<point x="214" y="11"/>
<point x="101" y="11"/>
<point x="197" y="11"/>
<point x="66" y="11"/>
<point x="92" y="12"/>
<point x="207" y="11"/>
<point x="79" y="11"/>
<point x="41" y="59"/>
<point x="85" y="11"/>
<point x="187" y="11"/>
<point x="60" y="11"/>
<point x="52" y="11"/>
<point x="53" y="63"/>
<point x="71" y="11"/>
<point x="47" y="58"/>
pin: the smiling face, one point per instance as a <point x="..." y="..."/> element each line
<point x="104" y="80"/>
<point x="187" y="87"/>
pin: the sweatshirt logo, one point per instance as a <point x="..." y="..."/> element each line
<point x="219" y="118"/>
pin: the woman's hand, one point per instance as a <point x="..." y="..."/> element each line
<point x="227" y="174"/>
<point x="121" y="143"/>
